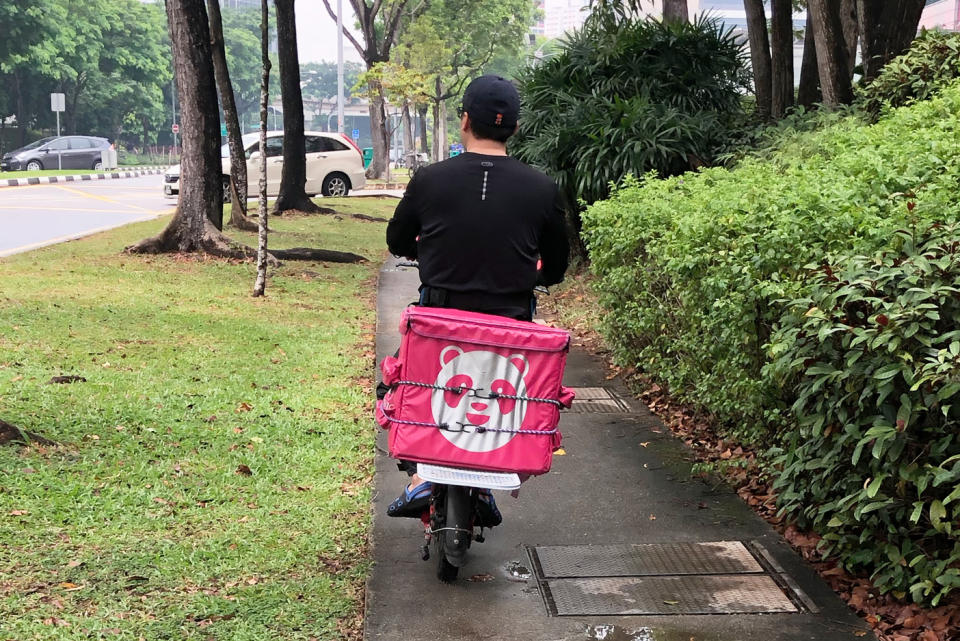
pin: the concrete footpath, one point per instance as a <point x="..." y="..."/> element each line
<point x="617" y="542"/>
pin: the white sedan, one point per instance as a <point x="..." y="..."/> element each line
<point x="334" y="165"/>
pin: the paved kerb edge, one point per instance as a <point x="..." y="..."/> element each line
<point x="49" y="180"/>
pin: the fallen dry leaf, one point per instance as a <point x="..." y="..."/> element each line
<point x="244" y="407"/>
<point x="481" y="578"/>
<point x="244" y="470"/>
<point x="18" y="513"/>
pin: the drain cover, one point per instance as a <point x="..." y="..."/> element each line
<point x="597" y="400"/>
<point x="729" y="594"/>
<point x="667" y="559"/>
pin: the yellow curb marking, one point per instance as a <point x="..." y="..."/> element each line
<point x="99" y="197"/>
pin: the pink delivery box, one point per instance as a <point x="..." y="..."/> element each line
<point x="475" y="391"/>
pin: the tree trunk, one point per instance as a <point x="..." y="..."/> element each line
<point x="293" y="178"/>
<point x="887" y="27"/>
<point x="201" y="191"/>
<point x="675" y="11"/>
<point x="851" y="32"/>
<point x="260" y="284"/>
<point x="70" y="117"/>
<point x="422" y="113"/>
<point x="808" y="93"/>
<point x="21" y="121"/>
<point x="781" y="36"/>
<point x="759" y="56"/>
<point x="238" y="161"/>
<point x="407" y="129"/>
<point x="435" y="154"/>
<point x="378" y="132"/>
<point x="831" y="52"/>
<point x="444" y="146"/>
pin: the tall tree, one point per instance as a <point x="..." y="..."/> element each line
<point x="238" y="161"/>
<point x="293" y="178"/>
<point x="381" y="22"/>
<point x="835" y="79"/>
<point x="760" y="56"/>
<point x="781" y="42"/>
<point x="259" y="286"/>
<point x="887" y="27"/>
<point x="201" y="191"/>
<point x="808" y="91"/>
<point x="851" y="32"/>
<point x="453" y="41"/>
<point x="675" y="10"/>
<point x="28" y="51"/>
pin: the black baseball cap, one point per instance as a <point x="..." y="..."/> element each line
<point x="492" y="100"/>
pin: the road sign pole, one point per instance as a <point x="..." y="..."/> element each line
<point x="57" y="104"/>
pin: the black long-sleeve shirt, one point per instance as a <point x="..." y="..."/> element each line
<point x="482" y="222"/>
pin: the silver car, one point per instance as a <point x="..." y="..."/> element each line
<point x="63" y="152"/>
<point x="334" y="165"/>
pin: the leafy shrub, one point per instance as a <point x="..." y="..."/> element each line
<point x="628" y="96"/>
<point x="693" y="269"/>
<point x="704" y="282"/>
<point x="872" y="353"/>
<point x="930" y="64"/>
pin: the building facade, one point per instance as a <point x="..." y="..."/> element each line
<point x="561" y="16"/>
<point x="941" y="14"/>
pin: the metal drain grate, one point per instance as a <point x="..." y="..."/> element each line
<point x="597" y="400"/>
<point x="714" y="577"/>
<point x="728" y="594"/>
<point x="669" y="559"/>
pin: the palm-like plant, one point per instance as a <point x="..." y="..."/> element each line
<point x="629" y="96"/>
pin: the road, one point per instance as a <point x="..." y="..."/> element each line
<point x="39" y="215"/>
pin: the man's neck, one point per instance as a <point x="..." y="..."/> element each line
<point x="486" y="147"/>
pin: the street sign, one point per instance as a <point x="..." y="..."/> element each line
<point x="57" y="104"/>
<point x="175" y="128"/>
<point x="356" y="134"/>
<point x="223" y="129"/>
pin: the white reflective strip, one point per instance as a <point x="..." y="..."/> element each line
<point x="483" y="195"/>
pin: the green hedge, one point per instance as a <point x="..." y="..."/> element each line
<point x="693" y="268"/>
<point x="932" y="63"/>
<point x="872" y="353"/>
<point x="700" y="275"/>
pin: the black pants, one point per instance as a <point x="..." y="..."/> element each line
<point x="516" y="306"/>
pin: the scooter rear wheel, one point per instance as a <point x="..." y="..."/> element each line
<point x="454" y="541"/>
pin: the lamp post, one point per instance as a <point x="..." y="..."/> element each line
<point x="340" y="66"/>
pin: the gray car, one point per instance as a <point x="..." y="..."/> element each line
<point x="68" y="152"/>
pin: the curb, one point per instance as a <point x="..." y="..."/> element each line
<point x="382" y="187"/>
<point x="46" y="180"/>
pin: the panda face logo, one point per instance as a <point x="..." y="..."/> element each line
<point x="485" y="372"/>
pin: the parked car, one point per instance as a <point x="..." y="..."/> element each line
<point x="334" y="165"/>
<point x="67" y="152"/>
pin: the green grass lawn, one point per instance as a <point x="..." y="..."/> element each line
<point x="212" y="478"/>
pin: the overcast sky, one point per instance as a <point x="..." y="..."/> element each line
<point x="317" y="32"/>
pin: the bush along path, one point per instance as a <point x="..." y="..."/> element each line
<point x="209" y="475"/>
<point x="806" y="301"/>
<point x="892" y="618"/>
